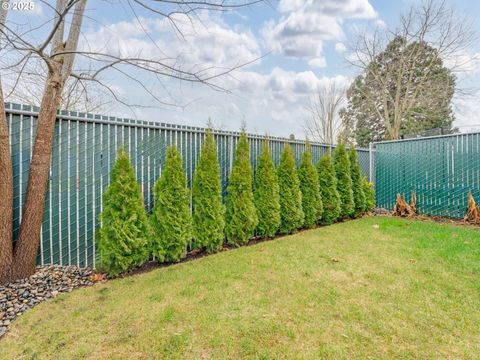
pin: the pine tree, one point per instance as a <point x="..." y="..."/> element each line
<point x="266" y="194"/>
<point x="311" y="199"/>
<point x="241" y="217"/>
<point x="124" y="231"/>
<point x="171" y="220"/>
<point x="291" y="212"/>
<point x="356" y="175"/>
<point x="344" y="181"/>
<point x="328" y="190"/>
<point x="369" y="194"/>
<point x="208" y="209"/>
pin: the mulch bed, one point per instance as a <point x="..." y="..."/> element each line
<point x="438" y="219"/>
<point x="191" y="255"/>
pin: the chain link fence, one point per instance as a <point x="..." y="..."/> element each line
<point x="441" y="170"/>
<point x="84" y="150"/>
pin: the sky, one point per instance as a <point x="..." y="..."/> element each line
<point x="284" y="51"/>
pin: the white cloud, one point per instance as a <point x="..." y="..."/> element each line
<point x="340" y="47"/>
<point x="273" y="103"/>
<point x="379" y="23"/>
<point x="306" y="25"/>
<point x="319" y="62"/>
<point x="467" y="108"/>
<point x="336" y="8"/>
<point x="193" y="43"/>
<point x="464" y="63"/>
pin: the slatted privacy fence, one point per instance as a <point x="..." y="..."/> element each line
<point x="441" y="170"/>
<point x="83" y="153"/>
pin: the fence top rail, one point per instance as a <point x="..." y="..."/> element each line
<point x="29" y="110"/>
<point x="426" y="138"/>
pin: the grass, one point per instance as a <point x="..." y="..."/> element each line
<point x="402" y="289"/>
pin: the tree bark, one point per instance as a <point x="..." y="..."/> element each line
<point x="6" y="197"/>
<point x="23" y="260"/>
<point x="25" y="251"/>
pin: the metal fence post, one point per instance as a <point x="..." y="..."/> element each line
<point x="370" y="152"/>
<point x="230" y="155"/>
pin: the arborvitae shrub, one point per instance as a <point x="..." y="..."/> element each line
<point x="328" y="190"/>
<point x="266" y="194"/>
<point x="208" y="209"/>
<point x="171" y="220"/>
<point x="311" y="200"/>
<point x="369" y="194"/>
<point x="124" y="231"/>
<point x="356" y="175"/>
<point x="291" y="212"/>
<point x="344" y="181"/>
<point x="241" y="217"/>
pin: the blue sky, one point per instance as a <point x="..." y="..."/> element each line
<point x="304" y="42"/>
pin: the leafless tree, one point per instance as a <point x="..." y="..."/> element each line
<point x="58" y="50"/>
<point x="25" y="86"/>
<point x="323" y="123"/>
<point x="395" y="89"/>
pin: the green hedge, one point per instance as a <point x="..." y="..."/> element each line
<point x="344" y="181"/>
<point x="357" y="189"/>
<point x="328" y="189"/>
<point x="170" y="217"/>
<point x="208" y="209"/>
<point x="311" y="199"/>
<point x="241" y="216"/>
<point x="291" y="212"/>
<point x="278" y="200"/>
<point x="369" y="194"/>
<point x="266" y="194"/>
<point x="124" y="231"/>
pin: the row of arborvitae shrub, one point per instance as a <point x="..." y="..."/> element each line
<point x="277" y="201"/>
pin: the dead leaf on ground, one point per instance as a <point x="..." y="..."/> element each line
<point x="376" y="226"/>
<point x="97" y="278"/>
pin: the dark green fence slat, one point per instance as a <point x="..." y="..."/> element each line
<point x="83" y="153"/>
<point x="441" y="171"/>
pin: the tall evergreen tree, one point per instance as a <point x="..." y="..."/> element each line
<point x="241" y="216"/>
<point x="403" y="89"/>
<point x="208" y="209"/>
<point x="344" y="181"/>
<point x="266" y="194"/>
<point x="369" y="194"/>
<point x="328" y="190"/>
<point x="356" y="175"/>
<point x="124" y="231"/>
<point x="311" y="199"/>
<point x="171" y="220"/>
<point x="291" y="212"/>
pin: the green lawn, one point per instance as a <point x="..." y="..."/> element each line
<point x="402" y="289"/>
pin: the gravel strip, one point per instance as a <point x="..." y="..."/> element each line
<point x="46" y="283"/>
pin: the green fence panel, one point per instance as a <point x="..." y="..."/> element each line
<point x="83" y="152"/>
<point x="440" y="170"/>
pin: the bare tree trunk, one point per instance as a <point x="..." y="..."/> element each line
<point x="29" y="238"/>
<point x="6" y="197"/>
<point x="60" y="67"/>
<point x="6" y="186"/>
